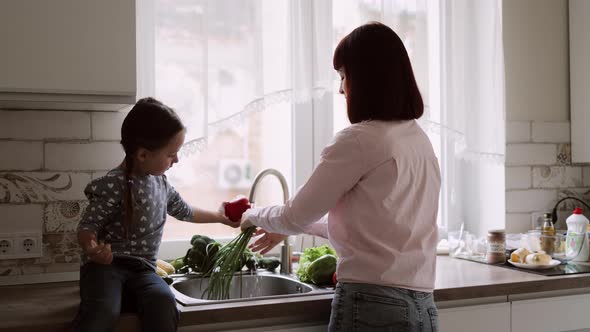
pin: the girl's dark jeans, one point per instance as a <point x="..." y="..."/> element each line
<point x="128" y="284"/>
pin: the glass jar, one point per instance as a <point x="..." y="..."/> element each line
<point x="496" y="247"/>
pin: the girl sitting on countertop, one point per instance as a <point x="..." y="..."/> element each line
<point x="121" y="230"/>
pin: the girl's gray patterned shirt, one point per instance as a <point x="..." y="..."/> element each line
<point x="153" y="198"/>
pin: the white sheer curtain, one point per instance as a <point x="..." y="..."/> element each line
<point x="220" y="61"/>
<point x="473" y="109"/>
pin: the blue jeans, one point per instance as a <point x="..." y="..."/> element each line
<point x="127" y="284"/>
<point x="366" y="307"/>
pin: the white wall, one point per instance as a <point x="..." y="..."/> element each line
<point x="536" y="60"/>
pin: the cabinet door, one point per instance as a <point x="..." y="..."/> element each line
<point x="579" y="29"/>
<point x="83" y="47"/>
<point x="565" y="313"/>
<point x="481" y="318"/>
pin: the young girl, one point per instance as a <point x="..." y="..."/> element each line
<point x="378" y="181"/>
<point x="121" y="229"/>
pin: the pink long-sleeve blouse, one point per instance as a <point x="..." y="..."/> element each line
<point x="378" y="182"/>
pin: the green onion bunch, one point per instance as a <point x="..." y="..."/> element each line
<point x="227" y="261"/>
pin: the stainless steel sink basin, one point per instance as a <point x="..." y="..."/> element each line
<point x="189" y="290"/>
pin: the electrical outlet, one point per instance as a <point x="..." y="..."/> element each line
<point x="6" y="246"/>
<point x="20" y="245"/>
<point x="27" y="245"/>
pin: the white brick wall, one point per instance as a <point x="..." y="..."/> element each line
<point x="551" y="132"/>
<point x="557" y="177"/>
<point x="530" y="200"/>
<point x="518" y="222"/>
<point x="17" y="155"/>
<point x="518" y="177"/>
<point x="535" y="177"/>
<point x="83" y="156"/>
<point x="46" y="160"/>
<point x="21" y="218"/>
<point x="586" y="176"/>
<point x="531" y="154"/>
<point x="41" y="125"/>
<point x="518" y="132"/>
<point x="107" y="125"/>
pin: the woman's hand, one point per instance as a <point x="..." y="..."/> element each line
<point x="245" y="224"/>
<point x="99" y="253"/>
<point x="268" y="241"/>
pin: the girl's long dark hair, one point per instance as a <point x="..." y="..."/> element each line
<point x="150" y="125"/>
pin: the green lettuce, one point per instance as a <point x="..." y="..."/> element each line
<point x="309" y="255"/>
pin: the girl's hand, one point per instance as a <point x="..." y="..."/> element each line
<point x="225" y="220"/>
<point x="99" y="253"/>
<point x="268" y="241"/>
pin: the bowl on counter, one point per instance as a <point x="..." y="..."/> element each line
<point x="552" y="245"/>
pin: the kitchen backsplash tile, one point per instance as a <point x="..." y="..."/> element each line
<point x="63" y="216"/>
<point x="557" y="177"/>
<point x="518" y="177"/>
<point x="44" y="125"/>
<point x="551" y="132"/>
<point x="42" y="187"/>
<point x="21" y="218"/>
<point x="82" y="156"/>
<point x="529" y="200"/>
<point x="530" y="154"/>
<point x="20" y="155"/>
<point x="518" y="132"/>
<point x="586" y="176"/>
<point x="545" y="152"/>
<point x="515" y="222"/>
<point x="107" y="125"/>
<point x="48" y="158"/>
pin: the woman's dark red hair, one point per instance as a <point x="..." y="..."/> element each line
<point x="380" y="81"/>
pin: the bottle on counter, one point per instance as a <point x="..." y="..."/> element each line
<point x="548" y="239"/>
<point x="577" y="238"/>
<point x="496" y="247"/>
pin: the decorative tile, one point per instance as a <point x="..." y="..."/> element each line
<point x="564" y="154"/>
<point x="557" y="177"/>
<point x="39" y="187"/>
<point x="61" y="243"/>
<point x="63" y="216"/>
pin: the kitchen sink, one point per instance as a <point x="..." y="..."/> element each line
<point x="189" y="290"/>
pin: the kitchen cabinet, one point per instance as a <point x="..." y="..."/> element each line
<point x="579" y="54"/>
<point x="482" y="318"/>
<point x="68" y="54"/>
<point x="563" y="313"/>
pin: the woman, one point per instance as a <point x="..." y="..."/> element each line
<point x="379" y="183"/>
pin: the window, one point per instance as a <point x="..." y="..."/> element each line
<point x="254" y="83"/>
<point x="232" y="71"/>
<point x="209" y="58"/>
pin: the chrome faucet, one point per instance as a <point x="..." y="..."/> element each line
<point x="286" y="267"/>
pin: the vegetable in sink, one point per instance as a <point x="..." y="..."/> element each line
<point x="312" y="254"/>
